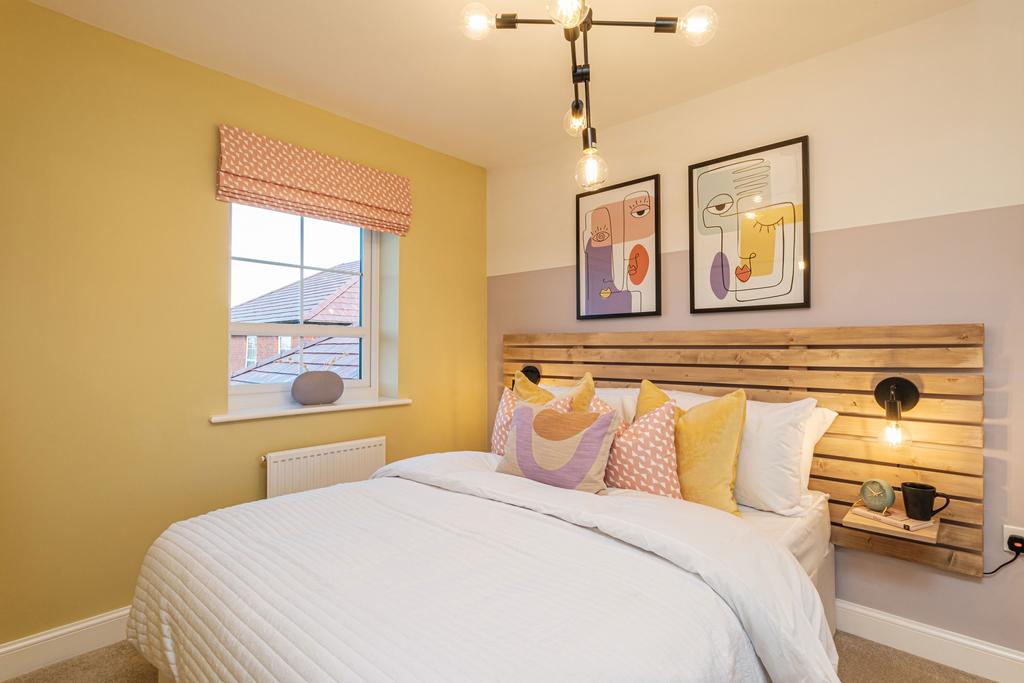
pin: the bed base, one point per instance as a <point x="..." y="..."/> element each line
<point x="824" y="579"/>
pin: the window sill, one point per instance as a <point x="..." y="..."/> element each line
<point x="296" y="409"/>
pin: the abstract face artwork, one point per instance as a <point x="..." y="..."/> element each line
<point x="617" y="249"/>
<point x="749" y="230"/>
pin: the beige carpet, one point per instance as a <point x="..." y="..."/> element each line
<point x="860" y="661"/>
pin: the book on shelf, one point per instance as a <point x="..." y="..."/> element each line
<point x="893" y="517"/>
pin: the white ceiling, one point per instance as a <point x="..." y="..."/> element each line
<point x="404" y="66"/>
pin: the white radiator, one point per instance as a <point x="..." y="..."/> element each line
<point x="334" y="463"/>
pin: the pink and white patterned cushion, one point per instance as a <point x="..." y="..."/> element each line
<point x="503" y="421"/>
<point x="643" y="455"/>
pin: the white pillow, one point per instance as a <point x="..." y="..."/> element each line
<point x="821" y="420"/>
<point x="768" y="476"/>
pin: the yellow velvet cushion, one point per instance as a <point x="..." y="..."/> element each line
<point x="649" y="398"/>
<point x="708" y="438"/>
<point x="583" y="393"/>
<point x="527" y="391"/>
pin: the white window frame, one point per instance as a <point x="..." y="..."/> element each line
<point x="280" y="347"/>
<point x="260" y="396"/>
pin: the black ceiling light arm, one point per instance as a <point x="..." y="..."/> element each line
<point x="571" y="35"/>
<point x="660" y="25"/>
<point x="585" y="28"/>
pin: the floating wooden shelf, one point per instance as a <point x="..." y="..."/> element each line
<point x="839" y="366"/>
<point x="927" y="535"/>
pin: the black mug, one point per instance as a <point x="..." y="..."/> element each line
<point x="919" y="499"/>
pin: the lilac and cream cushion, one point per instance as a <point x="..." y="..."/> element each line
<point x="503" y="417"/>
<point x="564" y="449"/>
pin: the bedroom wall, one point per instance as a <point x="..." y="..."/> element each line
<point x="114" y="294"/>
<point x="917" y="189"/>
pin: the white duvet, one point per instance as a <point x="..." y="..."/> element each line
<point x="440" y="569"/>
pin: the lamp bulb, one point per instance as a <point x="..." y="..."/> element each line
<point x="575" y="119"/>
<point x="591" y="170"/>
<point x="477" y="21"/>
<point x="568" y="13"/>
<point x="895" y="434"/>
<point x="699" y="25"/>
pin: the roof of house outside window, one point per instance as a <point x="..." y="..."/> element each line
<point x="330" y="298"/>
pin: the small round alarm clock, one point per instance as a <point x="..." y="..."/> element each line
<point x="877" y="494"/>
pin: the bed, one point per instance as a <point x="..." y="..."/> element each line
<point x="439" y="568"/>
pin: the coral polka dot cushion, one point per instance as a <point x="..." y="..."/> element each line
<point x="643" y="455"/>
<point x="503" y="422"/>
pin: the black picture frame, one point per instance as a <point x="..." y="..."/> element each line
<point x="805" y="256"/>
<point x="655" y="259"/>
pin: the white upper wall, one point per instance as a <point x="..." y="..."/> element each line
<point x="924" y="120"/>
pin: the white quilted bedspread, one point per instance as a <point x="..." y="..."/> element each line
<point x="439" y="569"/>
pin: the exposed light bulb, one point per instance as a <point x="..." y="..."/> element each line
<point x="591" y="170"/>
<point x="477" y="21"/>
<point x="895" y="435"/>
<point x="699" y="25"/>
<point x="575" y="119"/>
<point x="568" y="13"/>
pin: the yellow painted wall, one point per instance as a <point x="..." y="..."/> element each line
<point x="113" y="307"/>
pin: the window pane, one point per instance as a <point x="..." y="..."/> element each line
<point x="331" y="298"/>
<point x="265" y="235"/>
<point x="252" y="359"/>
<point x="332" y="245"/>
<point x="264" y="294"/>
<point x="341" y="355"/>
<point x="251" y="352"/>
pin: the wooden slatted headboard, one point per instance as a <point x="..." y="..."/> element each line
<point x="840" y="367"/>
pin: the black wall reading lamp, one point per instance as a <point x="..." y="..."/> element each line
<point x="895" y="395"/>
<point x="532" y="373"/>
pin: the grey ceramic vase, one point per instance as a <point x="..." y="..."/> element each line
<point x="317" y="387"/>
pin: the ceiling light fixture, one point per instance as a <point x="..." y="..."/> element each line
<point x="576" y="19"/>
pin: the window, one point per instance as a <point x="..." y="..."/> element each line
<point x="250" y="351"/>
<point x="303" y="297"/>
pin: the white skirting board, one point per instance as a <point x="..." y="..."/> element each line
<point x="939" y="645"/>
<point x="49" y="647"/>
<point x="978" y="657"/>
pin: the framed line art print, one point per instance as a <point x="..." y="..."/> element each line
<point x="618" y="250"/>
<point x="750" y="230"/>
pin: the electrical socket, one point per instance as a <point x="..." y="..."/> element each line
<point x="1010" y="531"/>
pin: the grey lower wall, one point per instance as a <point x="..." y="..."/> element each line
<point x="966" y="267"/>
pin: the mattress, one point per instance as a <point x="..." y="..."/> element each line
<point x="440" y="569"/>
<point x="806" y="535"/>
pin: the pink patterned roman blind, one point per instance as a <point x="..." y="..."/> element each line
<point x="268" y="173"/>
